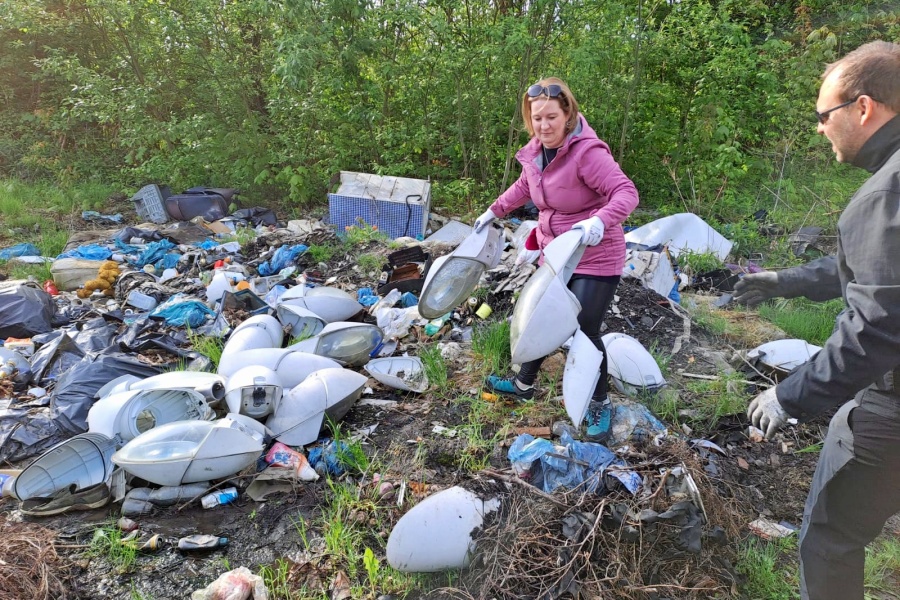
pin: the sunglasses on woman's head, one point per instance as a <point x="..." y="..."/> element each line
<point x="551" y="91"/>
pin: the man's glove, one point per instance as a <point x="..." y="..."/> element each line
<point x="765" y="412"/>
<point x="484" y="219"/>
<point x="591" y="230"/>
<point x="757" y="287"/>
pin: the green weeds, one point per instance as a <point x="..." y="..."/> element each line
<point x="362" y="233"/>
<point x="769" y="569"/>
<point x="483" y="418"/>
<point x="882" y="574"/>
<point x="710" y="400"/>
<point x="323" y="253"/>
<point x="108" y="543"/>
<point x="490" y="344"/>
<point x="803" y="319"/>
<point x="208" y="346"/>
<point x="370" y="263"/>
<point x="435" y="369"/>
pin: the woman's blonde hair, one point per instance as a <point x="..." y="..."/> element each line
<point x="566" y="100"/>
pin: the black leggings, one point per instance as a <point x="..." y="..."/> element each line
<point x="595" y="295"/>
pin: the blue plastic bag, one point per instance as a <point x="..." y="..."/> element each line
<point x="180" y="311"/>
<point x="154" y="253"/>
<point x="88" y="251"/>
<point x="329" y="459"/>
<point x="23" y="249"/>
<point x="281" y="258"/>
<point x="366" y="296"/>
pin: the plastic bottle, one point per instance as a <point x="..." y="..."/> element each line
<point x="201" y="542"/>
<point x="141" y="501"/>
<point x="219" y="498"/>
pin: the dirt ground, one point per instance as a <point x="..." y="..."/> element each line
<point x="751" y="479"/>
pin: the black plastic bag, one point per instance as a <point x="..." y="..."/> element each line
<point x="25" y="310"/>
<point x="76" y="388"/>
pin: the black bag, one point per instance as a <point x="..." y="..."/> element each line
<point x="209" y="203"/>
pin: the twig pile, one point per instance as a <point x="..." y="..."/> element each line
<point x="29" y="563"/>
<point x="579" y="545"/>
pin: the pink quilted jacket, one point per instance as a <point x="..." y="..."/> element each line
<point x="583" y="181"/>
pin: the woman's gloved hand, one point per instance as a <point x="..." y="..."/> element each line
<point x="530" y="250"/>
<point x="591" y="230"/>
<point x="484" y="219"/>
<point x="754" y="288"/>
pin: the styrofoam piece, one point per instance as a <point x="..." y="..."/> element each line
<point x="254" y="391"/>
<point x="452" y="277"/>
<point x="292" y="366"/>
<point x="84" y="460"/>
<point x="580" y="377"/>
<point x="330" y="304"/>
<point x="191" y="451"/>
<point x="631" y="367"/>
<point x="785" y="355"/>
<point x="401" y="372"/>
<point x="125" y="415"/>
<point x="302" y="412"/>
<point x="436" y="534"/>
<point x="348" y="343"/>
<point x="683" y="232"/>
<point x="546" y="313"/>
<point x="210" y="385"/>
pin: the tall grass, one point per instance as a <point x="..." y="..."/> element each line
<point x="802" y="318"/>
<point x="490" y="343"/>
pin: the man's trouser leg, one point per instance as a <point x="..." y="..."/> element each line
<point x="856" y="488"/>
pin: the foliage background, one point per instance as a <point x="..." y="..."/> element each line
<point x="708" y="105"/>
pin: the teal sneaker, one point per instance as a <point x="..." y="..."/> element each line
<point x="509" y="386"/>
<point x="599" y="421"/>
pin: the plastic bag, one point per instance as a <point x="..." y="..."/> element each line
<point x="282" y="455"/>
<point x="55" y="358"/>
<point x="634" y="421"/>
<point x="524" y="451"/>
<point x="237" y="584"/>
<point x="88" y="251"/>
<point x="25" y="311"/>
<point x="283" y="256"/>
<point x="180" y="311"/>
<point x="74" y="393"/>
<point x="23" y="249"/>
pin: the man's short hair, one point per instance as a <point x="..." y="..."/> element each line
<point x="873" y="70"/>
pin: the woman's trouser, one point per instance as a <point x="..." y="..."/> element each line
<point x="595" y="293"/>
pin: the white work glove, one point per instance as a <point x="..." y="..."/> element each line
<point x="755" y="288"/>
<point x="526" y="256"/>
<point x="765" y="412"/>
<point x="484" y="219"/>
<point x="529" y="251"/>
<point x="591" y="230"/>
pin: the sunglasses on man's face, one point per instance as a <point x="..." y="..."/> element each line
<point x="551" y="91"/>
<point x="822" y="117"/>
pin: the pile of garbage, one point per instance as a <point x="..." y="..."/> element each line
<point x="103" y="391"/>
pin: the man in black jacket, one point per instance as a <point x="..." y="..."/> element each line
<point x="856" y="487"/>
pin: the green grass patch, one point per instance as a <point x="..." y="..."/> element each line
<point x="370" y="263"/>
<point x="482" y="419"/>
<point x="490" y="344"/>
<point x="802" y="318"/>
<point x="362" y="233"/>
<point x="435" y="369"/>
<point x="208" y="346"/>
<point x="710" y="400"/>
<point x="108" y="543"/>
<point x="882" y="574"/>
<point x="770" y="569"/>
<point x="323" y="253"/>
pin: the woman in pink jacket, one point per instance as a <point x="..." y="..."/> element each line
<point x="570" y="175"/>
